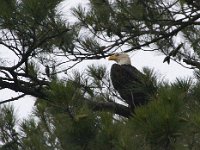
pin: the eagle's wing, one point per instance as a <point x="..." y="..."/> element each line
<point x="127" y="80"/>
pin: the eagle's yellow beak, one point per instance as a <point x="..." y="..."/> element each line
<point x="112" y="57"/>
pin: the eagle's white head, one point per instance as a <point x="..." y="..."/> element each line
<point x="121" y="58"/>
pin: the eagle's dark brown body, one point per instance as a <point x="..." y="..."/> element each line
<point x="128" y="81"/>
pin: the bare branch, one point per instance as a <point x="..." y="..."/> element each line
<point x="12" y="99"/>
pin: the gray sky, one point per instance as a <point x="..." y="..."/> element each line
<point x="139" y="59"/>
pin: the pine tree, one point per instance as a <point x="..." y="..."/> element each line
<point x="82" y="110"/>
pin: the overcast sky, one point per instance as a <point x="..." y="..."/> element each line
<point x="139" y="60"/>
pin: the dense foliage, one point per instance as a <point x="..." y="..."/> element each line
<point x="82" y="110"/>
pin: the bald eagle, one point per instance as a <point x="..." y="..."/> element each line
<point x="128" y="81"/>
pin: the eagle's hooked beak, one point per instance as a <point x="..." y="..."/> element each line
<point x="113" y="57"/>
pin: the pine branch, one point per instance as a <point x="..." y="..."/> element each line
<point x="26" y="89"/>
<point x="110" y="107"/>
<point x="192" y="62"/>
